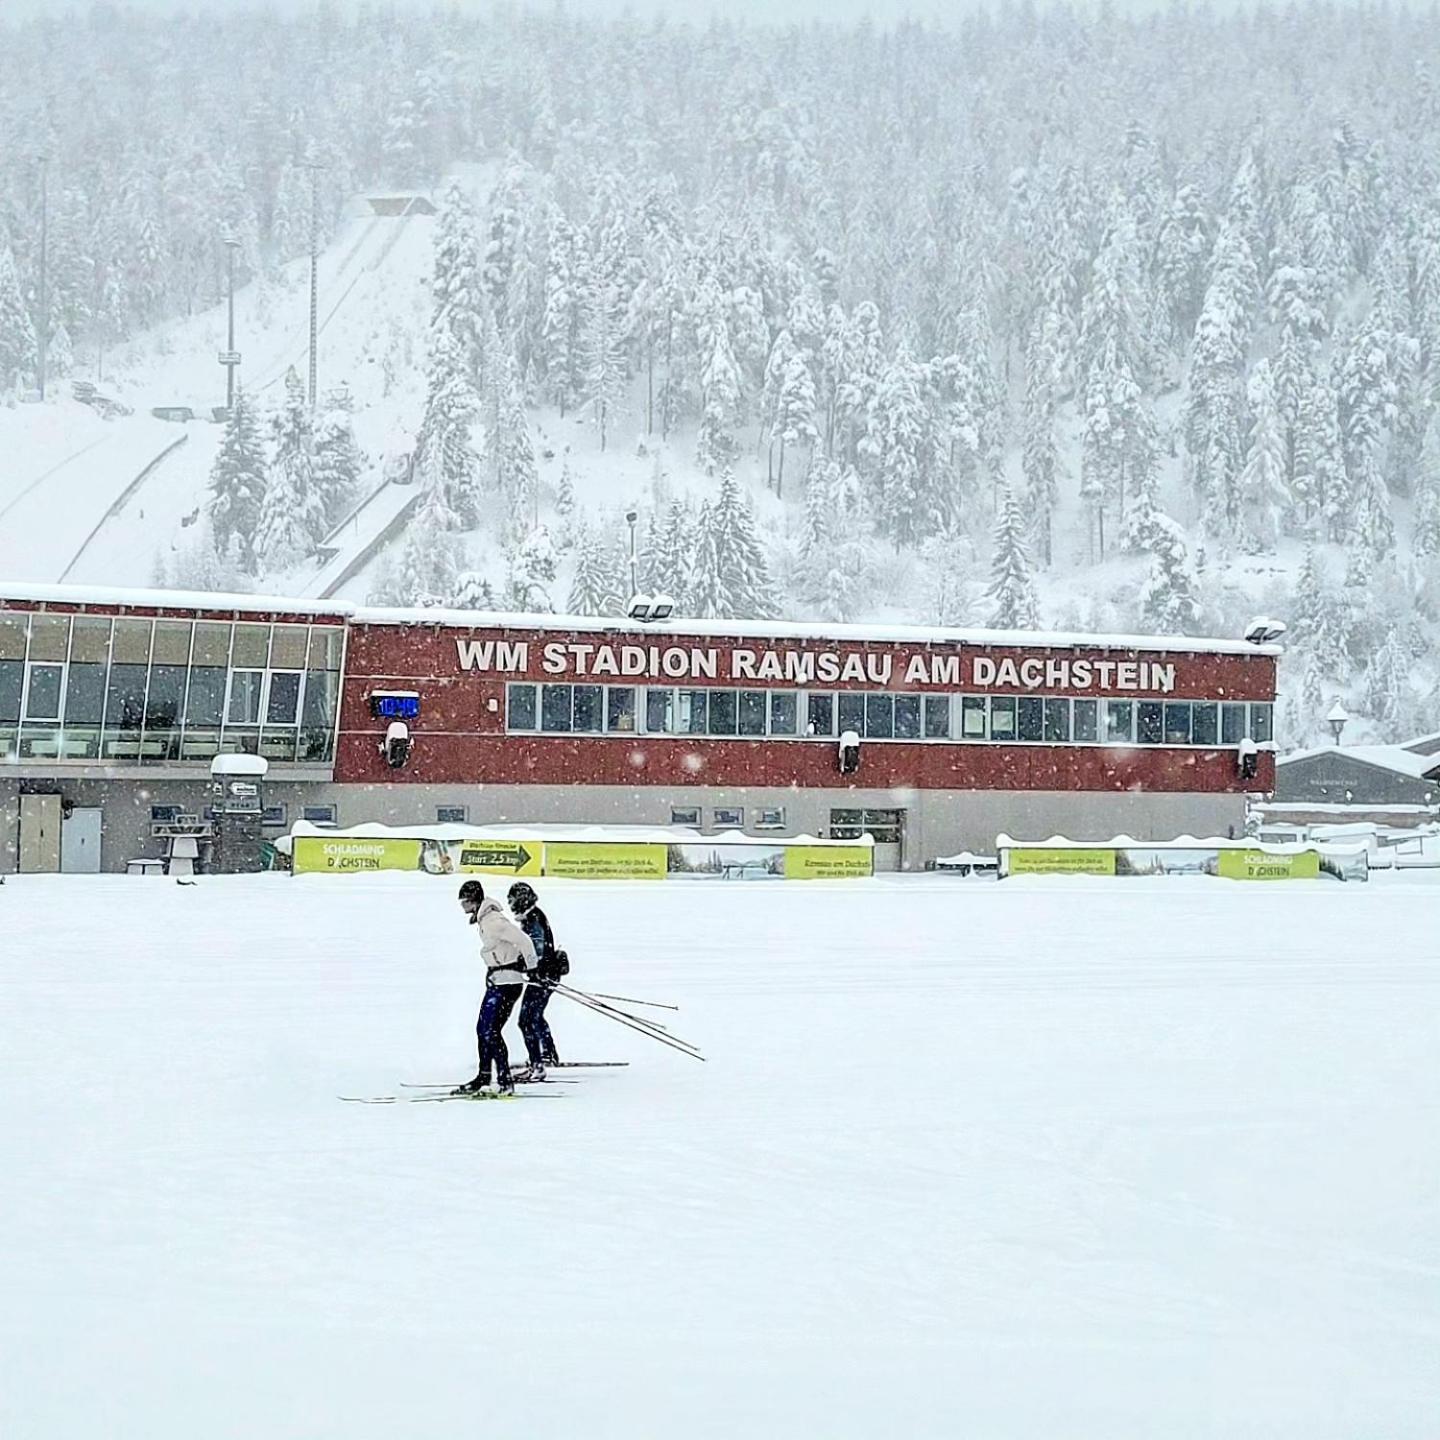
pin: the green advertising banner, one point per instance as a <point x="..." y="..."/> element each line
<point x="1257" y="865"/>
<point x="322" y="855"/>
<point x="829" y="862"/>
<point x="594" y="860"/>
<point x="1061" y="860"/>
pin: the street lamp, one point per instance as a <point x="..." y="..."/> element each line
<point x="314" y="167"/>
<point x="630" y="518"/>
<point x="1337" y="720"/>
<point x="230" y="356"/>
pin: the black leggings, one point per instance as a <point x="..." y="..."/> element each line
<point x="539" y="1042"/>
<point x="494" y="1012"/>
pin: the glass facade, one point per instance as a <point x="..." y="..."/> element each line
<point x="1005" y="719"/>
<point x="130" y="691"/>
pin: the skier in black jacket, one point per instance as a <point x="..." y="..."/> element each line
<point x="551" y="966"/>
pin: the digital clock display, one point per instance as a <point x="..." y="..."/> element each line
<point x="395" y="707"/>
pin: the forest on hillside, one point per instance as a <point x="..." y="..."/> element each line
<point x="1044" y="292"/>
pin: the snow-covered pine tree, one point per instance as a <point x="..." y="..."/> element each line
<point x="1183" y="247"/>
<point x="864" y="364"/>
<point x="1169" y="602"/>
<point x="474" y="592"/>
<point x="515" y="469"/>
<point x="603" y="349"/>
<point x="1011" y="594"/>
<point x="592" y="587"/>
<point x="445" y="442"/>
<point x="1366" y="388"/>
<point x="237" y="483"/>
<point x="818" y="521"/>
<point x="1425" y="526"/>
<point x="560" y="325"/>
<point x="719" y="383"/>
<point x="674" y="555"/>
<point x="1312" y="618"/>
<point x="532" y="572"/>
<point x="732" y="579"/>
<point x="1387" y="685"/>
<point x="1319" y="486"/>
<point x="339" y="461"/>
<point x="292" y="516"/>
<point x="19" y="352"/>
<point x="900" y="456"/>
<point x="1262" y="479"/>
<point x="458" y="295"/>
<point x="1120" y="447"/>
<point x="1040" y="460"/>
<point x="428" y="573"/>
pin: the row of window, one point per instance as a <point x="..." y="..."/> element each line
<point x="791" y="714"/>
<point x="89" y="688"/>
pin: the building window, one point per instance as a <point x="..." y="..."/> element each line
<point x="937" y="717"/>
<point x="752" y="712"/>
<point x="1085" y="721"/>
<point x="727" y="817"/>
<point x="319" y="814"/>
<point x="520" y="707"/>
<point x="1232" y="724"/>
<point x="770" y="817"/>
<point x="244" y="705"/>
<point x="885" y="826"/>
<point x="784" y="712"/>
<point x="620" y="709"/>
<point x="1177" y="722"/>
<point x="1119" y="722"/>
<point x="723" y="712"/>
<point x="42" y="700"/>
<point x="1057" y="722"/>
<point x="820" y="715"/>
<point x="1002" y="717"/>
<point x="452" y="814"/>
<point x="685" y="815"/>
<point x="659" y="711"/>
<point x="282" y="705"/>
<point x="587" y="713"/>
<point x="974" y="717"/>
<point x="1032" y="718"/>
<point x="273" y="817"/>
<point x="1261" y="724"/>
<point x="1204" y="722"/>
<point x="1149" y="722"/>
<point x="555" y="701"/>
<point x="164" y="814"/>
<point x="691" y="711"/>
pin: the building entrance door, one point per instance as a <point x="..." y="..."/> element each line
<point x="887" y="826"/>
<point x="80" y="842"/>
<point x="39" y="834"/>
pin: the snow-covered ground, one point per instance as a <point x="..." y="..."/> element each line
<point x="1044" y="1158"/>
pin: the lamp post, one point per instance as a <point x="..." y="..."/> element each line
<point x="43" y="161"/>
<point x="314" y="167"/>
<point x="1337" y="720"/>
<point x="230" y="357"/>
<point x="630" y="518"/>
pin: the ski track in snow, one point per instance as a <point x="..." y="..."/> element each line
<point x="1052" y="1157"/>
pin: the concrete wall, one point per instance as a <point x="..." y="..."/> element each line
<point x="936" y="822"/>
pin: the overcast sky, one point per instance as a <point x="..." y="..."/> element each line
<point x="754" y="10"/>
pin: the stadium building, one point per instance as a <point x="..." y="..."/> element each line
<point x="113" y="705"/>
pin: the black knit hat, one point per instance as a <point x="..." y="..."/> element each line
<point x="472" y="890"/>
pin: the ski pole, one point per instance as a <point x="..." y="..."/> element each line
<point x="683" y="1046"/>
<point x="652" y="1025"/>
<point x="626" y="1000"/>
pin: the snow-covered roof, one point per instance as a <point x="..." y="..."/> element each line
<point x="675" y="629"/>
<point x="1180" y="842"/>
<point x="237" y="764"/>
<point x="1424" y="744"/>
<point x="1397" y="758"/>
<point x="166" y="599"/>
<point x="810" y="630"/>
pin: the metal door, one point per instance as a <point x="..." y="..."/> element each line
<point x="39" y="834"/>
<point x="80" y="842"/>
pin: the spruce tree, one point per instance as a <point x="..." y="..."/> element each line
<point x="19" y="353"/>
<point x="238" y="480"/>
<point x="292" y="516"/>
<point x="732" y="579"/>
<point x="719" y="385"/>
<point x="1169" y="602"/>
<point x="1262" y="481"/>
<point x="560" y="325"/>
<point x="1425" y="530"/>
<point x="1040" y="460"/>
<point x="515" y="467"/>
<point x="1387" y="684"/>
<point x="603" y="351"/>
<point x="1365" y="389"/>
<point x="339" y="461"/>
<point x="1012" y="592"/>
<point x="899" y="453"/>
<point x="1311" y="618"/>
<point x="458" y="295"/>
<point x="445" y="442"/>
<point x="592" y="590"/>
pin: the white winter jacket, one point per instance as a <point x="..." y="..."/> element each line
<point x="505" y="948"/>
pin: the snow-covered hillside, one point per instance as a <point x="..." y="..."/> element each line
<point x="1080" y="1184"/>
<point x="1186" y="315"/>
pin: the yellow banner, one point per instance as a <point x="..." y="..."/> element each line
<point x="590" y="860"/>
<point x="1257" y="865"/>
<point x="321" y="855"/>
<point x="496" y="857"/>
<point x="829" y="862"/>
<point x="1061" y="861"/>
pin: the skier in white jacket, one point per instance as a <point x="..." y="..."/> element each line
<point x="509" y="958"/>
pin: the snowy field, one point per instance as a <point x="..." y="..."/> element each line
<point x="1054" y="1158"/>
